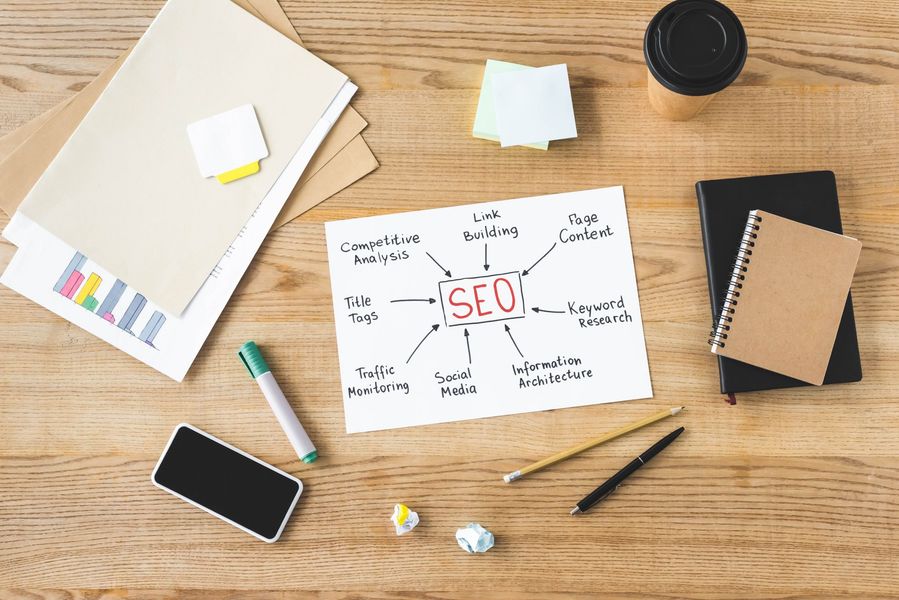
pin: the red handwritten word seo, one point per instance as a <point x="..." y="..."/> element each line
<point x="483" y="299"/>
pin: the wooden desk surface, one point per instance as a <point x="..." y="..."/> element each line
<point x="789" y="493"/>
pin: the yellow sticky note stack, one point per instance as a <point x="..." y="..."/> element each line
<point x="485" y="126"/>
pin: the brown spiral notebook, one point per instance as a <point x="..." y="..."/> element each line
<point x="786" y="297"/>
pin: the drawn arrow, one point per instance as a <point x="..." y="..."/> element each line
<point x="446" y="272"/>
<point x="526" y="271"/>
<point x="467" y="345"/>
<point x="513" y="341"/>
<point x="430" y="331"/>
<point x="537" y="309"/>
<point x="428" y="300"/>
<point x="486" y="266"/>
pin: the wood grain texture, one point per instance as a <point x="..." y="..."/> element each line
<point x="791" y="493"/>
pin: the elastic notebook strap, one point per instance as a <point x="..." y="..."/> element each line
<point x="718" y="335"/>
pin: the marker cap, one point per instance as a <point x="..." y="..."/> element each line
<point x="251" y="358"/>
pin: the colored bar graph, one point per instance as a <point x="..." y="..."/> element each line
<point x="71" y="286"/>
<point x="112" y="298"/>
<point x="152" y="328"/>
<point x="88" y="289"/>
<point x="74" y="265"/>
<point x="90" y="303"/>
<point x="132" y="312"/>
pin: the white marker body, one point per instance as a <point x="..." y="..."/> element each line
<point x="298" y="437"/>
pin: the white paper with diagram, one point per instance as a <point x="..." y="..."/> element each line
<point x="486" y="309"/>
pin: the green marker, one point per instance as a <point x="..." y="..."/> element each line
<point x="252" y="359"/>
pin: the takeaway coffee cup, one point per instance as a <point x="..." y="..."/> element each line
<point x="693" y="50"/>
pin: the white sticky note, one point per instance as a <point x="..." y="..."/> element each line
<point x="533" y="105"/>
<point x="485" y="119"/>
<point x="227" y="141"/>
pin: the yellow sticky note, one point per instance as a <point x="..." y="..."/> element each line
<point x="239" y="172"/>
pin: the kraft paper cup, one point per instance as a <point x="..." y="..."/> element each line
<point x="693" y="50"/>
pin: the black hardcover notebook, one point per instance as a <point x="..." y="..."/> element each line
<point x="724" y="206"/>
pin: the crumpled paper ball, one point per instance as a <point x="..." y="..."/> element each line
<point x="474" y="539"/>
<point x="404" y="520"/>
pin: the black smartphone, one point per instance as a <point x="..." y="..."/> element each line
<point x="227" y="482"/>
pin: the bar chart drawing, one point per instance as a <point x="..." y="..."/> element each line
<point x="90" y="303"/>
<point x="152" y="328"/>
<point x="88" y="289"/>
<point x="72" y="285"/>
<point x="131" y="314"/>
<point x="112" y="298"/>
<point x="75" y="265"/>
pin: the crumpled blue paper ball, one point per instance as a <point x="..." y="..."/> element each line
<point x="474" y="539"/>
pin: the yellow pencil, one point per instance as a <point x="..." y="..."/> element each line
<point x="611" y="435"/>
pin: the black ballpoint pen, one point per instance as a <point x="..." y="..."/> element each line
<point x="613" y="482"/>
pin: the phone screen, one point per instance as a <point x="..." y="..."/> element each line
<point x="227" y="482"/>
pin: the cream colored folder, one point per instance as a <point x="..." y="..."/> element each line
<point x="125" y="189"/>
<point x="26" y="152"/>
<point x="786" y="297"/>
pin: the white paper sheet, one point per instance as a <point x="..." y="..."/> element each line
<point x="43" y="265"/>
<point x="533" y="105"/>
<point x="226" y="141"/>
<point x="486" y="309"/>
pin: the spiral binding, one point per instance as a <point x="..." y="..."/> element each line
<point x="740" y="267"/>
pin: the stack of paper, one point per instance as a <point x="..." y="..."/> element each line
<point x="524" y="106"/>
<point x="125" y="198"/>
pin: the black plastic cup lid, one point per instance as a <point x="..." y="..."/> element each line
<point x="695" y="47"/>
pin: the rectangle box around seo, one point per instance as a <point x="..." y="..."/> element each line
<point x="482" y="299"/>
